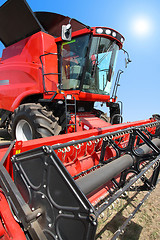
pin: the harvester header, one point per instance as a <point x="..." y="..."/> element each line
<point x="63" y="184"/>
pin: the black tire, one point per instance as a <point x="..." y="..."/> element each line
<point x="31" y="121"/>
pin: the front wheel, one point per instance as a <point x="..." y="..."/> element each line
<point x="31" y="121"/>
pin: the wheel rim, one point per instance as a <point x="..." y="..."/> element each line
<point x="24" y="131"/>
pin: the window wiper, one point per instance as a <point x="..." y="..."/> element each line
<point x="96" y="60"/>
<point x="104" y="56"/>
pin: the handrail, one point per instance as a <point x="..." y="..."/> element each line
<point x="45" y="74"/>
<point x="116" y="85"/>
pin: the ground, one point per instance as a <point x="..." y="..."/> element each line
<point x="144" y="226"/>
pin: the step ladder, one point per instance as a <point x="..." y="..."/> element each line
<point x="68" y="114"/>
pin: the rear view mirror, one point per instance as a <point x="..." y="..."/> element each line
<point x="127" y="59"/>
<point x="66" y="32"/>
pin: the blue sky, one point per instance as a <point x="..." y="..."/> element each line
<point x="140" y="84"/>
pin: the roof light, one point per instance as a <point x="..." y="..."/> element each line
<point x="114" y="34"/>
<point x="100" y="30"/>
<point x="111" y="32"/>
<point x="122" y="40"/>
<point x="108" y="31"/>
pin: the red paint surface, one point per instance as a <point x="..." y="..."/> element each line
<point x="10" y="229"/>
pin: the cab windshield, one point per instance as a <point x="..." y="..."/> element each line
<point x="91" y="71"/>
<point x="100" y="66"/>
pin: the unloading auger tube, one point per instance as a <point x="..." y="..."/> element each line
<point x="53" y="201"/>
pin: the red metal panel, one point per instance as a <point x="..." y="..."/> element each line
<point x="20" y="65"/>
<point x="21" y="69"/>
<point x="10" y="229"/>
<point x="81" y="96"/>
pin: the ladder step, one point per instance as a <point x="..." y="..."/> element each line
<point x="67" y="104"/>
<point x="70" y="104"/>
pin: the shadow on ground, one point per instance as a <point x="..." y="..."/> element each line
<point x="132" y="231"/>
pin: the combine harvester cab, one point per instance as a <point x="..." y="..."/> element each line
<point x="62" y="185"/>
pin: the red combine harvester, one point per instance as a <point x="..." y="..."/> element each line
<point x="52" y="71"/>
<point x="49" y="85"/>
